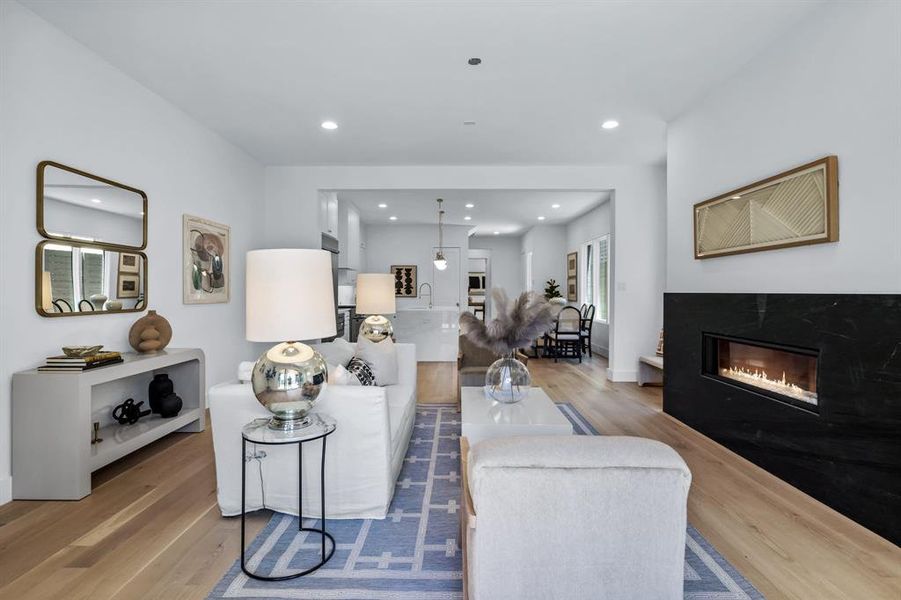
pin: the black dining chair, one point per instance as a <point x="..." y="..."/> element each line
<point x="62" y="306"/>
<point x="565" y="341"/>
<point x="585" y="329"/>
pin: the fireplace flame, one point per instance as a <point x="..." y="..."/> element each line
<point x="760" y="379"/>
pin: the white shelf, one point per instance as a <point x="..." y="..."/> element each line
<point x="121" y="440"/>
<point x="53" y="416"/>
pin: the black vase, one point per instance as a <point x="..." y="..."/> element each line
<point x="159" y="388"/>
<point x="170" y="405"/>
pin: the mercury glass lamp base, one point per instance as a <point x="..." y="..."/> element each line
<point x="376" y="328"/>
<point x="281" y="424"/>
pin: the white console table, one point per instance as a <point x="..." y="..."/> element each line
<point x="53" y="416"/>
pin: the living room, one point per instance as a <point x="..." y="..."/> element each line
<point x="231" y="143"/>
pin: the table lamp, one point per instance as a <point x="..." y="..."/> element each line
<point x="289" y="297"/>
<point x="375" y="297"/>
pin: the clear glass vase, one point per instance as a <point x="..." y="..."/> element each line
<point x="507" y="380"/>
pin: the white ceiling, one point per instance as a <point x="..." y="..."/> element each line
<point x="505" y="211"/>
<point x="393" y="74"/>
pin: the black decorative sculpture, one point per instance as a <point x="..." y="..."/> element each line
<point x="128" y="412"/>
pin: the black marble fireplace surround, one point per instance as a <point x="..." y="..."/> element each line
<point x="847" y="453"/>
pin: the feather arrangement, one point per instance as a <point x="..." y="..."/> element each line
<point x="518" y="323"/>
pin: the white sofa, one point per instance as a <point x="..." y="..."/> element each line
<point x="569" y="518"/>
<point x="363" y="457"/>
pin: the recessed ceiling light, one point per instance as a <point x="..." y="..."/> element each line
<point x="383" y="205"/>
<point x="497" y="233"/>
<point x="96" y="200"/>
<point x="555" y="206"/>
<point x="467" y="218"/>
<point x="474" y="61"/>
<point x="610" y="124"/>
<point x="541" y="218"/>
<point x="392" y="218"/>
<point x="735" y="197"/>
<point x="329" y="125"/>
<point x="470" y="205"/>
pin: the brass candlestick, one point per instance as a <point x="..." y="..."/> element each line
<point x="96" y="439"/>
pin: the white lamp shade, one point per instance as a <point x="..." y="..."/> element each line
<point x="375" y="294"/>
<point x="290" y="295"/>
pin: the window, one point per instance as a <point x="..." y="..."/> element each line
<point x="596" y="275"/>
<point x="588" y="277"/>
<point x="76" y="273"/>
<point x="58" y="260"/>
<point x="92" y="276"/>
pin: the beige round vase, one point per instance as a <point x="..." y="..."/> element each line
<point x="150" y="333"/>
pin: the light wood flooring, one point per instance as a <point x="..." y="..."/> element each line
<point x="151" y="529"/>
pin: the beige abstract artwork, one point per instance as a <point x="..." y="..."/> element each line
<point x="793" y="208"/>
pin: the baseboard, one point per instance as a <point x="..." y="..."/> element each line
<point x="605" y="352"/>
<point x="622" y="375"/>
<point x="6" y="489"/>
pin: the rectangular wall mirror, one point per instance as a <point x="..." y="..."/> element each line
<point x="74" y="278"/>
<point x="74" y="205"/>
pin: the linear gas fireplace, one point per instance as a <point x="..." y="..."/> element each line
<point x="807" y="386"/>
<point x="784" y="373"/>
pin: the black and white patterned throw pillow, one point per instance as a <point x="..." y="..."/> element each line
<point x="362" y="371"/>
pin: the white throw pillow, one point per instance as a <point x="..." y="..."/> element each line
<point x="381" y="358"/>
<point x="338" y="375"/>
<point x="338" y="352"/>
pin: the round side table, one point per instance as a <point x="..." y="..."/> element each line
<point x="258" y="432"/>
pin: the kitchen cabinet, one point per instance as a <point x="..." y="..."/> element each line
<point x="349" y="236"/>
<point x="328" y="213"/>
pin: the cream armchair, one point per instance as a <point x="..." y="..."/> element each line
<point x="569" y="518"/>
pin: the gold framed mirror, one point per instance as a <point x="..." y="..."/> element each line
<point x="78" y="278"/>
<point x="73" y="205"/>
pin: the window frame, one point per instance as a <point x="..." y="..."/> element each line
<point x="596" y="292"/>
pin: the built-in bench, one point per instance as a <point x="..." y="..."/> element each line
<point x="650" y="370"/>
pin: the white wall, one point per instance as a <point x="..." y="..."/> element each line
<point x="547" y="243"/>
<point x="831" y="87"/>
<point x="506" y="261"/>
<point x="60" y="101"/>
<point x="590" y="226"/>
<point x="388" y="245"/>
<point x="291" y="211"/>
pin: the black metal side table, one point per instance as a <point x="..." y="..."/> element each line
<point x="258" y="432"/>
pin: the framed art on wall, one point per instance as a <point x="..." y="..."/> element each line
<point x="129" y="263"/>
<point x="205" y="256"/>
<point x="793" y="208"/>
<point x="128" y="285"/>
<point x="404" y="281"/>
<point x="572" y="277"/>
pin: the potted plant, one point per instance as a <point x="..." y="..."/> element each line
<point x="552" y="292"/>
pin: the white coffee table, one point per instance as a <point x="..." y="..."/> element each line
<point x="484" y="418"/>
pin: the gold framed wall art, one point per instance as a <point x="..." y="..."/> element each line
<point x="793" y="208"/>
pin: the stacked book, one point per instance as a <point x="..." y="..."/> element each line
<point x="76" y="364"/>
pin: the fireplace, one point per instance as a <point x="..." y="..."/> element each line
<point x="784" y="373"/>
<point x="807" y="386"/>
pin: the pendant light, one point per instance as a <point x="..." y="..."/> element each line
<point x="440" y="262"/>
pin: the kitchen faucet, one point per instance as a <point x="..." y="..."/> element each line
<point x="430" y="292"/>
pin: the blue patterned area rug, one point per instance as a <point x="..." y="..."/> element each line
<point x="413" y="553"/>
